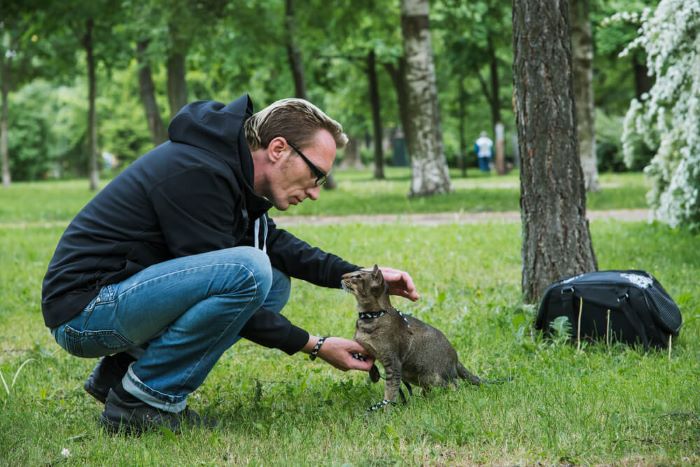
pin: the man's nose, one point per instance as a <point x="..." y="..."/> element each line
<point x="314" y="192"/>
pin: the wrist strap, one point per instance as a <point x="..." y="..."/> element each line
<point x="317" y="347"/>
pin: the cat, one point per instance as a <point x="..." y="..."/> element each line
<point x="409" y="350"/>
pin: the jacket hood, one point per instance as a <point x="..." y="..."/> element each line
<point x="213" y="126"/>
<point x="218" y="129"/>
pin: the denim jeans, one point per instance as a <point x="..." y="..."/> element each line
<point x="178" y="317"/>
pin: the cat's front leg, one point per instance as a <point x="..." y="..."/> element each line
<point x="392" y="370"/>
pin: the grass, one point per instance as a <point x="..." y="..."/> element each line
<point x="357" y="193"/>
<point x="598" y="406"/>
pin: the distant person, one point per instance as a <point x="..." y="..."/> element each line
<point x="483" y="147"/>
<point x="176" y="259"/>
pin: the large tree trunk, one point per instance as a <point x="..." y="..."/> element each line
<point x="376" y="115"/>
<point x="556" y="235"/>
<point x="92" y="114"/>
<point x="176" y="65"/>
<point x="423" y="134"/>
<point x="582" y="52"/>
<point x="296" y="64"/>
<point x="398" y="78"/>
<point x="5" y="87"/>
<point x="148" y="97"/>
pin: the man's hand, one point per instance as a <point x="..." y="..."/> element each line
<point x="339" y="353"/>
<point x="400" y="283"/>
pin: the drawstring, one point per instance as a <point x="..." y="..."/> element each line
<point x="256" y="233"/>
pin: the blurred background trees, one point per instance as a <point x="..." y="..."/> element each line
<point x="136" y="63"/>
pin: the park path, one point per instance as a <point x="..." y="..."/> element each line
<point x="622" y="215"/>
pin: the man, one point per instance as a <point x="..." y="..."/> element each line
<point x="484" y="149"/>
<point x="176" y="259"/>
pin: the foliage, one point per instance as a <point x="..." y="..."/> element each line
<point x="668" y="117"/>
<point x="598" y="406"/>
<point x="608" y="130"/>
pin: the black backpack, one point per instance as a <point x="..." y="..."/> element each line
<point x="627" y="306"/>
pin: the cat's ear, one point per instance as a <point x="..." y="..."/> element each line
<point x="376" y="273"/>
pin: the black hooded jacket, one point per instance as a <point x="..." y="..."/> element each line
<point x="190" y="195"/>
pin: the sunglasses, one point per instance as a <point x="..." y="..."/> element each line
<point x="321" y="176"/>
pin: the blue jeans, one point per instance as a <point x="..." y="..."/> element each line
<point x="484" y="163"/>
<point x="178" y="317"/>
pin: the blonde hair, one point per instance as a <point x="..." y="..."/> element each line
<point x="296" y="120"/>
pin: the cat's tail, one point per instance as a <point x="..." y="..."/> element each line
<point x="465" y="374"/>
<point x="475" y="380"/>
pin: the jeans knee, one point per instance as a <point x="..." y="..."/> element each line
<point x="258" y="264"/>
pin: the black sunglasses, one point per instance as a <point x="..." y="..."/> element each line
<point x="321" y="176"/>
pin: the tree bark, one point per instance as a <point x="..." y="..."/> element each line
<point x="296" y="64"/>
<point x="423" y="134"/>
<point x="351" y="157"/>
<point x="461" y="113"/>
<point x="556" y="235"/>
<point x="5" y="86"/>
<point x="642" y="81"/>
<point x="92" y="114"/>
<point x="495" y="100"/>
<point x="148" y="97"/>
<point x="398" y="78"/>
<point x="376" y="115"/>
<point x="582" y="52"/>
<point x="176" y="64"/>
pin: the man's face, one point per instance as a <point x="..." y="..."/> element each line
<point x="292" y="180"/>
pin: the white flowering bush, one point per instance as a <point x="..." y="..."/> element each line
<point x="668" y="117"/>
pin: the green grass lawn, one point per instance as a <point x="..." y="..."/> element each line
<point x="598" y="406"/>
<point x="357" y="193"/>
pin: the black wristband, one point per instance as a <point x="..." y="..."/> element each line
<point x="317" y="347"/>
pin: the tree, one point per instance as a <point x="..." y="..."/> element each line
<point x="556" y="236"/>
<point x="582" y="52"/>
<point x="668" y="116"/>
<point x="423" y="133"/>
<point x="19" y="63"/>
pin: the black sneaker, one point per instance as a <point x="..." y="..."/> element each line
<point x="136" y="417"/>
<point x="108" y="373"/>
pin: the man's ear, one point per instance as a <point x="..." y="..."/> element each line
<point x="276" y="149"/>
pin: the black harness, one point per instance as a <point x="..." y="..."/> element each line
<point x="367" y="315"/>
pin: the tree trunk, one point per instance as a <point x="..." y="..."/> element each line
<point x="495" y="94"/>
<point x="177" y="69"/>
<point x="582" y="53"/>
<point x="461" y="113"/>
<point x="556" y="235"/>
<point x="148" y="97"/>
<point x="351" y="157"/>
<point x="398" y="78"/>
<point x="296" y="64"/>
<point x="5" y="86"/>
<point x="642" y="81"/>
<point x="376" y="115"/>
<point x="92" y="114"/>
<point x="423" y="134"/>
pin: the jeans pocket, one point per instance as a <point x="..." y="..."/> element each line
<point x="93" y="343"/>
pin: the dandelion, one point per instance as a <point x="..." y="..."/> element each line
<point x="65" y="452"/>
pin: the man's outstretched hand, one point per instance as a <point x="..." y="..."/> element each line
<point x="400" y="283"/>
<point x="342" y="353"/>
